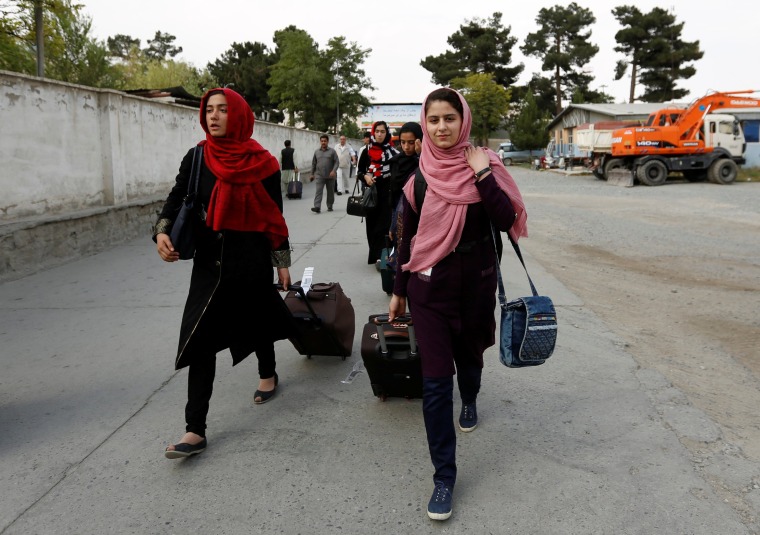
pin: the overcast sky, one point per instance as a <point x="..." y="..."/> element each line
<point x="401" y="36"/>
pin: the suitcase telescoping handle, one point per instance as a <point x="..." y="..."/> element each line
<point x="297" y="288"/>
<point x="405" y="319"/>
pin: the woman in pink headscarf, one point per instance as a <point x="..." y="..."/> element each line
<point x="447" y="271"/>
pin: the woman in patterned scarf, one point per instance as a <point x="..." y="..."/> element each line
<point x="374" y="168"/>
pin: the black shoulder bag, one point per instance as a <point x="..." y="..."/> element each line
<point x="183" y="234"/>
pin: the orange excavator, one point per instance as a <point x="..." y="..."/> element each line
<point x="698" y="141"/>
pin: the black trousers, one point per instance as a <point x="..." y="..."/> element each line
<point x="200" y="386"/>
<point x="438" y="413"/>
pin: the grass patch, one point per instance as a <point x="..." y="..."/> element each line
<point x="748" y="174"/>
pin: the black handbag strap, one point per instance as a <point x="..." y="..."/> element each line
<point x="356" y="193"/>
<point x="195" y="170"/>
<point x="502" y="293"/>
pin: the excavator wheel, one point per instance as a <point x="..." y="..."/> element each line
<point x="652" y="173"/>
<point x="614" y="163"/>
<point x="722" y="171"/>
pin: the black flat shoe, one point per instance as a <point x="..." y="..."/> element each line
<point x="264" y="396"/>
<point x="184" y="449"/>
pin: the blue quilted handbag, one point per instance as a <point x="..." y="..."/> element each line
<point x="528" y="325"/>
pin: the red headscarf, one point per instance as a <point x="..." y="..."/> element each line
<point x="239" y="200"/>
<point x="451" y="188"/>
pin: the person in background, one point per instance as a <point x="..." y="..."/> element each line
<point x="403" y="166"/>
<point x="374" y="168"/>
<point x="405" y="162"/>
<point x="324" y="165"/>
<point x="367" y="138"/>
<point x="240" y="235"/>
<point x="288" y="166"/>
<point x="448" y="273"/>
<point x="346" y="157"/>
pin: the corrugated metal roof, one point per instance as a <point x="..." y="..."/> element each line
<point x="618" y="112"/>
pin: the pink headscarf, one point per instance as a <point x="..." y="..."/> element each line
<point x="451" y="187"/>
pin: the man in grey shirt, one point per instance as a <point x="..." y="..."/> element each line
<point x="324" y="167"/>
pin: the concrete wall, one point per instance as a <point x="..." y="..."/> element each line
<point x="81" y="166"/>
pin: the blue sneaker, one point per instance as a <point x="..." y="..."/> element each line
<point x="439" y="506"/>
<point x="468" y="418"/>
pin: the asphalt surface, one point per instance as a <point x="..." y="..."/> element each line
<point x="89" y="399"/>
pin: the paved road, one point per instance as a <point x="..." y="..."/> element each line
<point x="88" y="400"/>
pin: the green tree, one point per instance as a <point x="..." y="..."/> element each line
<point x="300" y="80"/>
<point x="529" y="128"/>
<point x="71" y="53"/>
<point x="81" y="59"/>
<point x="161" y="46"/>
<point x="120" y="45"/>
<point x="16" y="52"/>
<point x="563" y="44"/>
<point x="349" y="80"/>
<point x="480" y="46"/>
<point x="170" y="73"/>
<point x="655" y="52"/>
<point x="488" y="101"/>
<point x="245" y="67"/>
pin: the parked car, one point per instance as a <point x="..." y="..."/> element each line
<point x="513" y="154"/>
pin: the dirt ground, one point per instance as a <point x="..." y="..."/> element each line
<point x="675" y="272"/>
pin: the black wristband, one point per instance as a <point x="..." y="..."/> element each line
<point x="482" y="172"/>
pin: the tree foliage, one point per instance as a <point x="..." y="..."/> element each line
<point x="121" y="46"/>
<point x="655" y="53"/>
<point x="563" y="44"/>
<point x="298" y="80"/>
<point x="349" y="80"/>
<point x="161" y="46"/>
<point x="317" y="88"/>
<point x="488" y="101"/>
<point x="480" y="46"/>
<point x="245" y="67"/>
<point x="71" y="53"/>
<point x="529" y="128"/>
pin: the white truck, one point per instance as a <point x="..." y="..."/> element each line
<point x="594" y="141"/>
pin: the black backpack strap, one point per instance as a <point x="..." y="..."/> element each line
<point x="420" y="187"/>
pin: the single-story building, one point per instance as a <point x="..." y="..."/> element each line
<point x="561" y="128"/>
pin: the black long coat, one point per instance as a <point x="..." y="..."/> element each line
<point x="232" y="302"/>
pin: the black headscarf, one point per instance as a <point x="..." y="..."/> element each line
<point x="402" y="166"/>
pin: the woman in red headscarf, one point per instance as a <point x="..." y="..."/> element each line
<point x="446" y="268"/>
<point x="374" y="167"/>
<point x="232" y="302"/>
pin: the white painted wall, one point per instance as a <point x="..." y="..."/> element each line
<point x="65" y="147"/>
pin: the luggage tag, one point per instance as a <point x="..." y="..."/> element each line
<point x="308" y="275"/>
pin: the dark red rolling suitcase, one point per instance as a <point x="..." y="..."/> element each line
<point x="295" y="187"/>
<point x="391" y="358"/>
<point x="324" y="320"/>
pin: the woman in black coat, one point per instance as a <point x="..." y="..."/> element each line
<point x="240" y="235"/>
<point x="374" y="168"/>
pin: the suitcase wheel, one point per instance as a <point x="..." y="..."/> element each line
<point x="308" y="357"/>
<point x="344" y="357"/>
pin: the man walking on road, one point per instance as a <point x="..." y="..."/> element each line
<point x="324" y="166"/>
<point x="288" y="166"/>
<point x="346" y="157"/>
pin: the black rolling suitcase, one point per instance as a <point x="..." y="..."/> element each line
<point x="295" y="187"/>
<point x="323" y="320"/>
<point x="391" y="358"/>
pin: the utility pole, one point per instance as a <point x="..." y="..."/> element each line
<point x="40" y="31"/>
